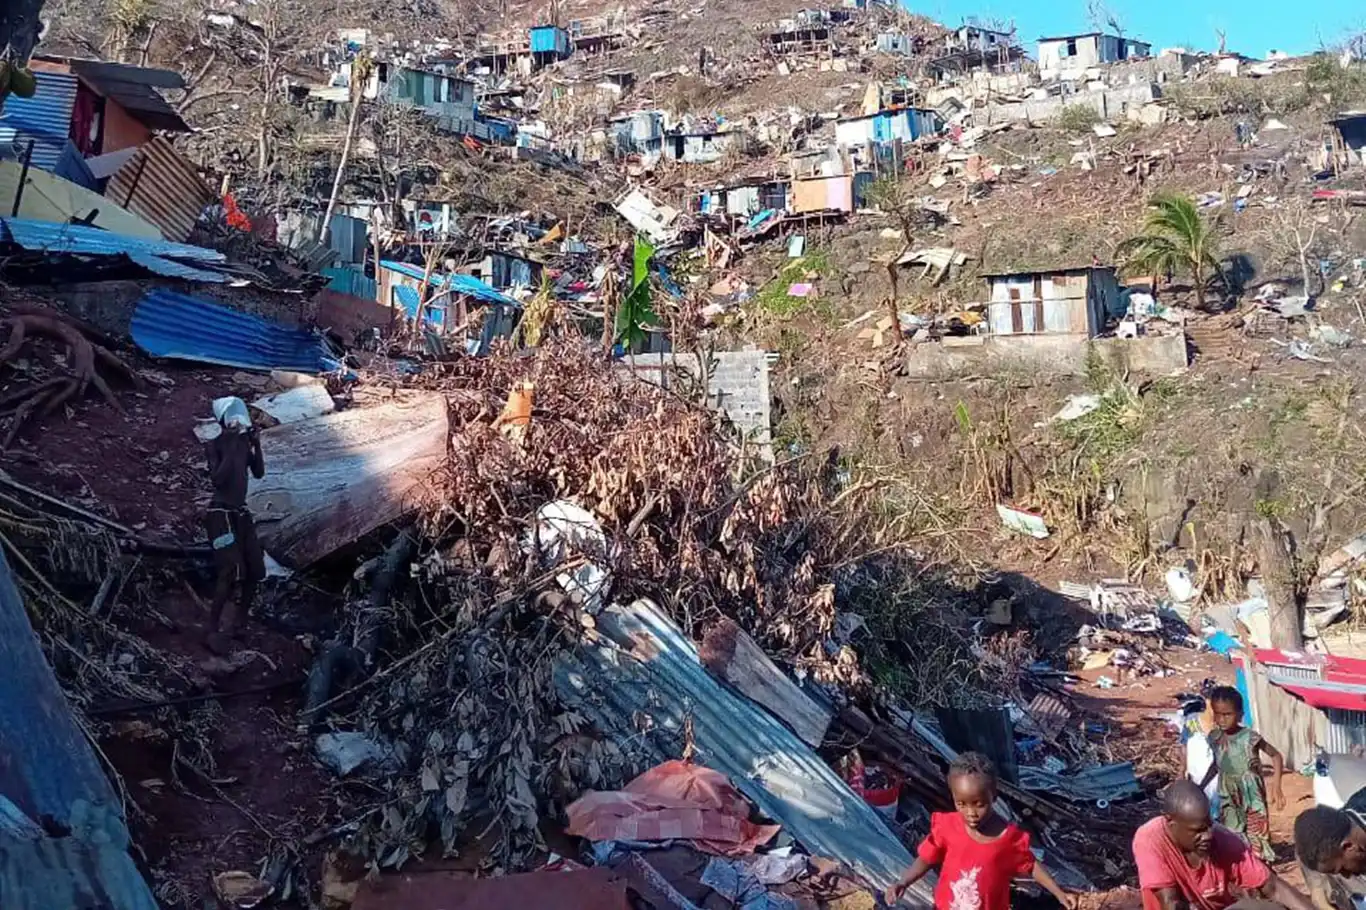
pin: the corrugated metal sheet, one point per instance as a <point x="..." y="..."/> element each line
<point x="89" y="241"/>
<point x="172" y="269"/>
<point x="167" y="324"/>
<point x="350" y="280"/>
<point x="49" y="770"/>
<point x="1107" y="782"/>
<point x="135" y="89"/>
<point x="460" y="284"/>
<point x="549" y="39"/>
<point x="638" y="673"/>
<point x="407" y="299"/>
<point x="162" y="186"/>
<point x="1345" y="731"/>
<point x="71" y="166"/>
<point x="349" y="237"/>
<point x="44" y="118"/>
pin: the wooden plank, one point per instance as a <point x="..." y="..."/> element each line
<point x="331" y="480"/>
<point x="733" y="657"/>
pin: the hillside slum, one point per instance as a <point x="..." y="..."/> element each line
<point x="545" y="598"/>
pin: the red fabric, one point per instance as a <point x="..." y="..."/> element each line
<point x="87" y="132"/>
<point x="234" y="216"/>
<point x="1230" y="865"/>
<point x="974" y="875"/>
<point x="674" y="801"/>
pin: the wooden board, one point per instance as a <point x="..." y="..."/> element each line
<point x="331" y="480"/>
<point x="47" y="197"/>
<point x="733" y="657"/>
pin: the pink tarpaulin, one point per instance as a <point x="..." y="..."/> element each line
<point x="674" y="801"/>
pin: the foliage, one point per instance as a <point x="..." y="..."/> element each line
<point x="1175" y="240"/>
<point x="467" y="693"/>
<point x="774" y="299"/>
<point x="1339" y="85"/>
<point x="637" y="307"/>
<point x="1078" y="118"/>
<point x="1220" y="95"/>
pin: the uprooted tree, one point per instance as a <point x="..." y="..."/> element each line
<point x="83" y="361"/>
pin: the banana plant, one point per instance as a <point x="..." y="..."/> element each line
<point x="637" y="309"/>
<point x="20" y="29"/>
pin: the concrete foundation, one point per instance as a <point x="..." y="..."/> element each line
<point x="1153" y="355"/>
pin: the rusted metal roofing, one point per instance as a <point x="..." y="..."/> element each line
<point x="639" y="679"/>
<point x="160" y="185"/>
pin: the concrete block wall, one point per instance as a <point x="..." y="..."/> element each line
<point x="739" y="385"/>
<point x="1110" y="104"/>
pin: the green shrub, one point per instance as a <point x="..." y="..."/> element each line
<point x="1078" y="118"/>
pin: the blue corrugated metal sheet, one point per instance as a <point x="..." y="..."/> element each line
<point x="166" y="324"/>
<point x="460" y="284"/>
<point x="638" y="665"/>
<point x="44" y="118"/>
<point x="171" y="269"/>
<point x="407" y="300"/>
<point x="549" y="39"/>
<point x="350" y="280"/>
<point x="71" y="166"/>
<point x="75" y="238"/>
<point x="49" y="771"/>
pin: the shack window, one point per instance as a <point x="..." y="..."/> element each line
<point x="1071" y="49"/>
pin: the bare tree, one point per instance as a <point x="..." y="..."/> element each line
<point x="360" y="75"/>
<point x="1293" y="233"/>
<point x="1104" y="19"/>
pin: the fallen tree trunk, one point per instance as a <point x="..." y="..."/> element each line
<point x="332" y="480"/>
<point x="63" y="839"/>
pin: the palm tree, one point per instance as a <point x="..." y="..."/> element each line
<point x="1174" y="239"/>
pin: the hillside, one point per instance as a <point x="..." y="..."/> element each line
<point x="962" y="328"/>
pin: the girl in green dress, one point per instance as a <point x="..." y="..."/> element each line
<point x="1243" y="805"/>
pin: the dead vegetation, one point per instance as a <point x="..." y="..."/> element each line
<point x="679" y="515"/>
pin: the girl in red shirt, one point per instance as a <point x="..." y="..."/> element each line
<point x="977" y="852"/>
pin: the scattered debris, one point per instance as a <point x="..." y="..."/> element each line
<point x="1026" y="523"/>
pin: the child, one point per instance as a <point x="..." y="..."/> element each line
<point x="977" y="851"/>
<point x="1198" y="721"/>
<point x="1242" y="791"/>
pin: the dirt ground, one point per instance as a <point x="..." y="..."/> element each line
<point x="1137" y="713"/>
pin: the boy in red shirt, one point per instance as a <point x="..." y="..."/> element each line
<point x="977" y="852"/>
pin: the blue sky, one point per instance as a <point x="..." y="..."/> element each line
<point x="1253" y="27"/>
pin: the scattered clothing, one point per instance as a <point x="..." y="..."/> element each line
<point x="974" y="875"/>
<point x="1231" y="865"/>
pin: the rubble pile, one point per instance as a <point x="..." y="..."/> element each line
<point x="589" y="488"/>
